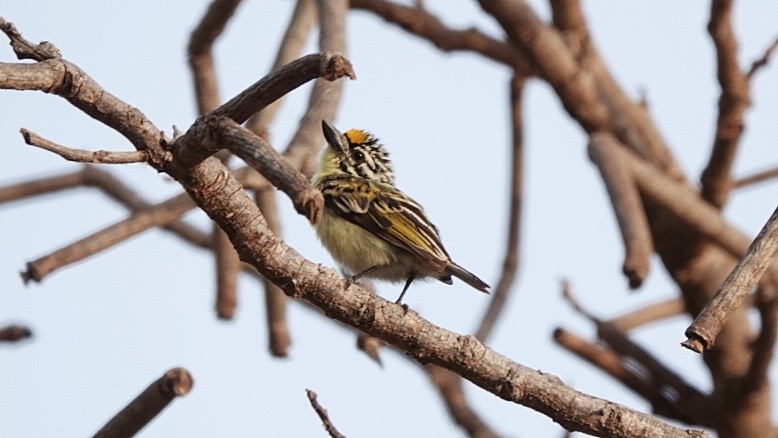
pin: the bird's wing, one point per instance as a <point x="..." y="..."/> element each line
<point x="386" y="212"/>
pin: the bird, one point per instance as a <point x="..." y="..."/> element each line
<point x="371" y="228"/>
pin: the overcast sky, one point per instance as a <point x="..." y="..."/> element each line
<point x="106" y="327"/>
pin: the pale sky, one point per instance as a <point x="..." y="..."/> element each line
<point x="108" y="326"/>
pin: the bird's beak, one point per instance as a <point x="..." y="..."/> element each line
<point x="337" y="141"/>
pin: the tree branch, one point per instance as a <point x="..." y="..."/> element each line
<point x="322" y="413"/>
<point x="81" y="156"/>
<point x="628" y="206"/>
<point x="303" y="19"/>
<point x="177" y="382"/>
<point x="155" y="216"/>
<point x="760" y="254"/>
<point x="716" y="179"/>
<point x="515" y="188"/>
<point x="427" y="26"/>
<point x="14" y="333"/>
<point x="200" y="52"/>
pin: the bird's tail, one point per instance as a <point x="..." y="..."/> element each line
<point x="467" y="276"/>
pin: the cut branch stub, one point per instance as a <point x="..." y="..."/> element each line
<point x="703" y="331"/>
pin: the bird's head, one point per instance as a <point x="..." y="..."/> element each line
<point x="354" y="153"/>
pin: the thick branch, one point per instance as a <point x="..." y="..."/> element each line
<point x="760" y="255"/>
<point x="177" y="382"/>
<point x="628" y="206"/>
<point x="223" y="200"/>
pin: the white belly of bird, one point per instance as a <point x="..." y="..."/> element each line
<point x="357" y="250"/>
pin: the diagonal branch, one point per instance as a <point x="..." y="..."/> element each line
<point x="176" y="382"/>
<point x="323" y="416"/>
<point x="760" y="255"/>
<point x="155" y="216"/>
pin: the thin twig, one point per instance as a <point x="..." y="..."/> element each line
<point x="322" y="413"/>
<point x="177" y="382"/>
<point x="14" y="333"/>
<point x="82" y="156"/>
<point x="763" y="60"/>
<point x="631" y="215"/>
<point x="756" y="178"/>
<point x="512" y="246"/>
<point x="703" y="331"/>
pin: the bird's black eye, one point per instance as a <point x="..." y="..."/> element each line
<point x="359" y="156"/>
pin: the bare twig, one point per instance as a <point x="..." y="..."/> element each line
<point x="200" y="55"/>
<point x="303" y="19"/>
<point x="763" y="60"/>
<point x="756" y="178"/>
<point x="716" y="179"/>
<point x="14" y="333"/>
<point x="322" y="413"/>
<point x="81" y="156"/>
<point x="155" y="216"/>
<point x="702" y="332"/>
<point x="628" y="206"/>
<point x="511" y="261"/>
<point x="177" y="382"/>
<point x="279" y="339"/>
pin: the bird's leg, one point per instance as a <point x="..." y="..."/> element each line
<point x="356" y="277"/>
<point x="411" y="277"/>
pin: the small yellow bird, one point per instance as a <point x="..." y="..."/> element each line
<point x="369" y="226"/>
